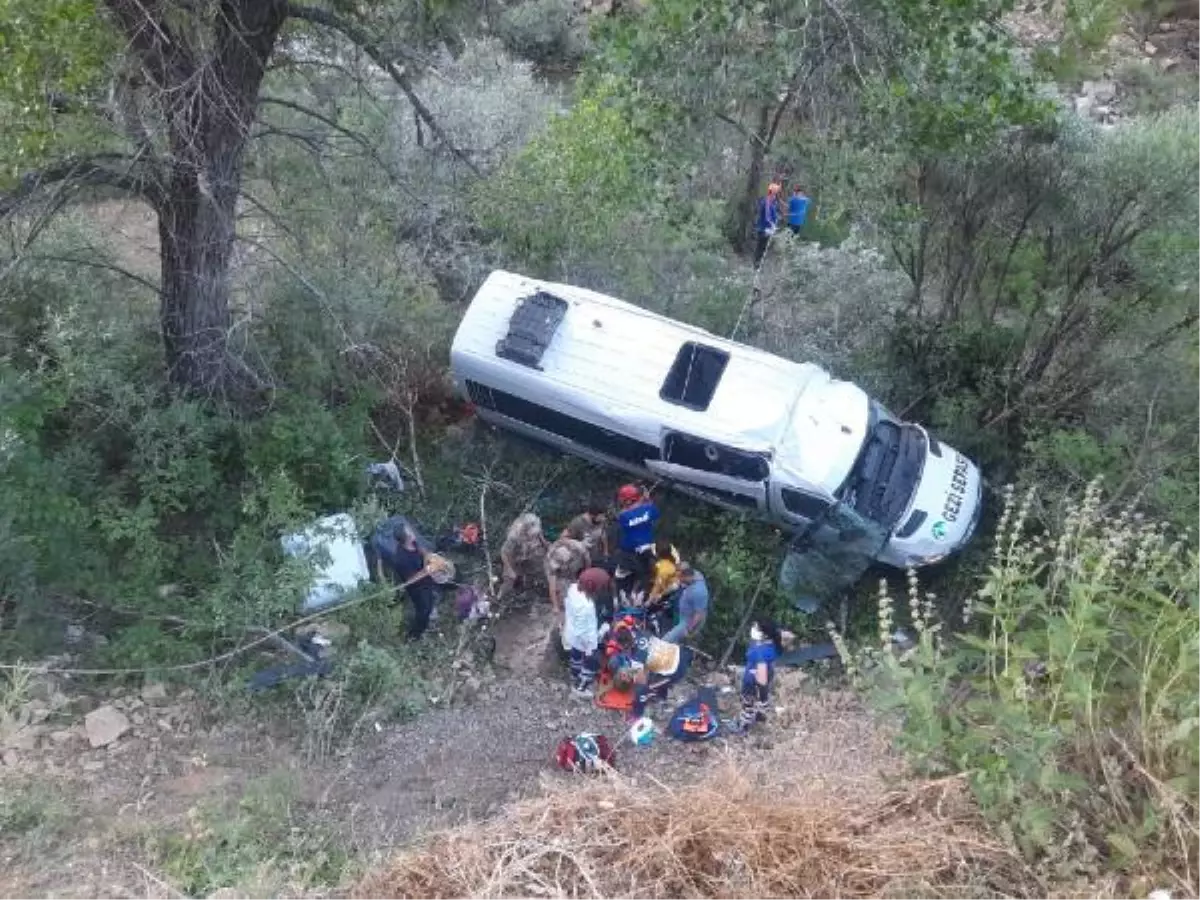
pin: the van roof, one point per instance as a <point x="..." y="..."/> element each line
<point x="621" y="354"/>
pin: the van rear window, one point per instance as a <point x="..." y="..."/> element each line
<point x="694" y="376"/>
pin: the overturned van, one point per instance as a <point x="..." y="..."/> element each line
<point x="625" y="387"/>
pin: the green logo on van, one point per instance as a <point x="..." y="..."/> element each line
<point x="939" y="529"/>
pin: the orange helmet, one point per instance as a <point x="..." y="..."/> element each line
<point x="628" y="493"/>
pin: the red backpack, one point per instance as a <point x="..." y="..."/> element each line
<point x="585" y="753"/>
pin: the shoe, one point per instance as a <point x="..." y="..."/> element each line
<point x="583" y="693"/>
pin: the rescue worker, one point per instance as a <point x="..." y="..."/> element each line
<point x="797" y="209"/>
<point x="637" y="518"/>
<point x="567" y="557"/>
<point x="666" y="571"/>
<point x="581" y="631"/>
<point x="636" y="522"/>
<point x="407" y="565"/>
<point x="692" y="605"/>
<point x="766" y="643"/>
<point x="592" y="523"/>
<point x="523" y="553"/>
<point x="767" y="221"/>
<point x="649" y="664"/>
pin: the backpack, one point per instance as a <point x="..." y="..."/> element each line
<point x="587" y="753"/>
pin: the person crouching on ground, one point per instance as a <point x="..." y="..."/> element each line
<point x="568" y="556"/>
<point x="523" y="552"/>
<point x="581" y="629"/>
<point x="766" y="643"/>
<point x="651" y="664"/>
<point x="692" y="605"/>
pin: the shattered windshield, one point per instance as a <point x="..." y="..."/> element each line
<point x="887" y="471"/>
<point x="830" y="557"/>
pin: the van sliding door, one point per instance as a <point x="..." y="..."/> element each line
<point x="723" y="474"/>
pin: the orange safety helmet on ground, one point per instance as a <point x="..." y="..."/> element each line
<point x="628" y="494"/>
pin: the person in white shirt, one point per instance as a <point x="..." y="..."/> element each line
<point x="581" y="631"/>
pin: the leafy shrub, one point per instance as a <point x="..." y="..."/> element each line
<point x="546" y="32"/>
<point x="268" y="843"/>
<point x="1070" y="702"/>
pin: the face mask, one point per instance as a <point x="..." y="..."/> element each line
<point x="755" y="633"/>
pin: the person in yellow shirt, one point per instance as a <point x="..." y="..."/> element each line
<point x="665" y="572"/>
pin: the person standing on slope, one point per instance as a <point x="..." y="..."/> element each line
<point x="797" y="209"/>
<point x="767" y="221"/>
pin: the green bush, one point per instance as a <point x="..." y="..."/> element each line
<point x="269" y="843"/>
<point x="545" y="32"/>
<point x="1069" y="703"/>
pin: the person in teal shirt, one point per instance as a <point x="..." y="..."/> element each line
<point x="797" y="209"/>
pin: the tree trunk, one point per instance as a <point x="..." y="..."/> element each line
<point x="196" y="232"/>
<point x="741" y="216"/>
<point x="209" y="104"/>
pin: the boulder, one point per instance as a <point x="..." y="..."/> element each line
<point x="1149" y="49"/>
<point x="105" y="725"/>
<point x="1100" y="91"/>
<point x="154" y="692"/>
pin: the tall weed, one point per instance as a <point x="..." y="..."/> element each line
<point x="1069" y="701"/>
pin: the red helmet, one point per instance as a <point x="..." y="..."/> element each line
<point x="628" y="493"/>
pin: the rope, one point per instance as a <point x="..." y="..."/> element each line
<point x="229" y="654"/>
<point x="753" y="287"/>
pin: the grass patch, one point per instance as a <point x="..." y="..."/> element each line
<point x="30" y="814"/>
<point x="738" y="833"/>
<point x="270" y="842"/>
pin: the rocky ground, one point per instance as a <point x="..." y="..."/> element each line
<point x="113" y="772"/>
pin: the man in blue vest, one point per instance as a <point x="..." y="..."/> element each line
<point x="797" y="209"/>
<point x="637" y="519"/>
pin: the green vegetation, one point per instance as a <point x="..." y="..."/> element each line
<point x="265" y="845"/>
<point x="1068" y="701"/>
<point x="980" y="258"/>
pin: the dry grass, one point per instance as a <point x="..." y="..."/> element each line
<point x="734" y="834"/>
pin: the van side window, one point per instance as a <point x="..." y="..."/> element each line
<point x="799" y="503"/>
<point x="697" y="453"/>
<point x="694" y="376"/>
<point x="586" y="434"/>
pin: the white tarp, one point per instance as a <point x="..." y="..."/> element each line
<point x="347" y="565"/>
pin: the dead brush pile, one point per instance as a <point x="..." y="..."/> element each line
<point x="735" y="834"/>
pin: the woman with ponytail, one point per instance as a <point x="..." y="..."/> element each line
<point x="766" y="644"/>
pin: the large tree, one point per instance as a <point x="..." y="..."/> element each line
<point x="156" y="99"/>
<point x="927" y="74"/>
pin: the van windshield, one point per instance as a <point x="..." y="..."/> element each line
<point x="887" y="471"/>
